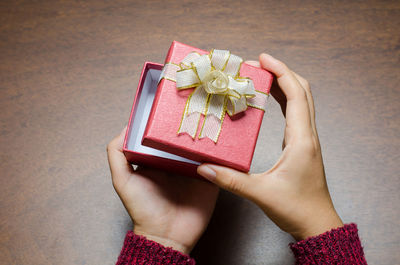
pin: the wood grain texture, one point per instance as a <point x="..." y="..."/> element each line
<point x="68" y="73"/>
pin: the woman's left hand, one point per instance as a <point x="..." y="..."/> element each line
<point x="171" y="210"/>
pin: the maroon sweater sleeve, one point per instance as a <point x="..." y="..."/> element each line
<point x="338" y="246"/>
<point x="139" y="250"/>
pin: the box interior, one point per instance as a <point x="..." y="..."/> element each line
<point x="141" y="115"/>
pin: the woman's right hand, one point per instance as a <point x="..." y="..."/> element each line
<point x="293" y="193"/>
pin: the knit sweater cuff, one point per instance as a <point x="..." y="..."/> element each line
<point x="338" y="246"/>
<point x="139" y="250"/>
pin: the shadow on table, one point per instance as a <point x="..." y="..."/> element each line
<point x="235" y="231"/>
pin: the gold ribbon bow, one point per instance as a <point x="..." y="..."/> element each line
<point x="218" y="89"/>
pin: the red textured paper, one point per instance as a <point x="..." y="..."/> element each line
<point x="236" y="143"/>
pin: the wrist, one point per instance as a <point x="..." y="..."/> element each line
<point x="166" y="242"/>
<point x="320" y="226"/>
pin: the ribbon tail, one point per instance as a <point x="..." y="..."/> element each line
<point x="195" y="106"/>
<point x="214" y="117"/>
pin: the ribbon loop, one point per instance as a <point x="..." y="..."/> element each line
<point x="202" y="66"/>
<point x="187" y="61"/>
<point x="233" y="66"/>
<point x="236" y="105"/>
<point x="244" y="87"/>
<point x="219" y="59"/>
<point x="186" y="78"/>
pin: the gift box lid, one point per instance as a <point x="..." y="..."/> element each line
<point x="238" y="136"/>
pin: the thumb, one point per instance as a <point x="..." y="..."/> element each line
<point x="227" y="178"/>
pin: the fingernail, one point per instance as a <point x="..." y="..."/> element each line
<point x="253" y="63"/>
<point x="207" y="172"/>
<point x="266" y="55"/>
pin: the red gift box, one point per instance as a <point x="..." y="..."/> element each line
<point x="238" y="137"/>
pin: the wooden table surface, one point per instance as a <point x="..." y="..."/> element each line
<point x="68" y="74"/>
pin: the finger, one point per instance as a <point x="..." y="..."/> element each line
<point x="289" y="84"/>
<point x="120" y="168"/>
<point x="306" y="86"/>
<point x="276" y="91"/>
<point x="227" y="178"/>
<point x="297" y="110"/>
